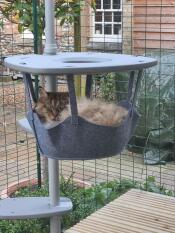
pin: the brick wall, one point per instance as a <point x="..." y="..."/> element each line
<point x="12" y="42"/>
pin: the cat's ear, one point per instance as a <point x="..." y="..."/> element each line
<point x="42" y="92"/>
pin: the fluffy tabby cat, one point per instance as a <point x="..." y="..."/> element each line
<point x="53" y="108"/>
<point x="50" y="105"/>
<point x="98" y="112"/>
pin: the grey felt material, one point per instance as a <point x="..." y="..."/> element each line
<point x="77" y="139"/>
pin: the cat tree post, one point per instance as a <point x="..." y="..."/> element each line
<point x="51" y="86"/>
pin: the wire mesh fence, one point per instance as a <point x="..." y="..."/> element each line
<point x="139" y="27"/>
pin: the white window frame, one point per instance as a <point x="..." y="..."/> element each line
<point x="105" y="37"/>
<point x="27" y="34"/>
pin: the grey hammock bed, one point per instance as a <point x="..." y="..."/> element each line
<point x="76" y="138"/>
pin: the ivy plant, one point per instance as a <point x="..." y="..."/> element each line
<point x="21" y="13"/>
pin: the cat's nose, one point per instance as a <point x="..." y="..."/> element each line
<point x="52" y="117"/>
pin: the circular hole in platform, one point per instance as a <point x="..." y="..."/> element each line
<point x="83" y="60"/>
<point x="80" y="61"/>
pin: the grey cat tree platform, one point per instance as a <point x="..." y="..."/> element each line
<point x="52" y="65"/>
<point x="32" y="207"/>
<point x="77" y="63"/>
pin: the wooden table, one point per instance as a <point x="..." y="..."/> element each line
<point x="134" y="212"/>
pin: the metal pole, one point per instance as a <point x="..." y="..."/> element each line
<point x="51" y="86"/>
<point x="50" y="46"/>
<point x="35" y="34"/>
<point x="35" y="25"/>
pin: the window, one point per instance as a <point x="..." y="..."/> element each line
<point x="107" y="20"/>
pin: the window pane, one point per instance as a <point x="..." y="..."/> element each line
<point x="117" y="17"/>
<point x="116" y="4"/>
<point x="98" y="4"/>
<point x="117" y="29"/>
<point x="98" y="29"/>
<point x="106" y="4"/>
<point x="98" y="16"/>
<point x="108" y="16"/>
<point x="107" y="29"/>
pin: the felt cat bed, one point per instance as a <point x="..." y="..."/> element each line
<point x="77" y="139"/>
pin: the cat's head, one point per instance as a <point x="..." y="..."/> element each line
<point x="51" y="104"/>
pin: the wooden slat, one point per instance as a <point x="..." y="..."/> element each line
<point x="155" y="2"/>
<point x="146" y="19"/>
<point x="153" y="24"/>
<point x="134" y="212"/>
<point x="154" y="10"/>
<point x="154" y="27"/>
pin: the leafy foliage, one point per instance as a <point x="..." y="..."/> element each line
<point x="68" y="11"/>
<point x="112" y="86"/>
<point x="24" y="226"/>
<point x="21" y="12"/>
<point x="151" y="185"/>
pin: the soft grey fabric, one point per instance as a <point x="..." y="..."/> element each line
<point x="77" y="139"/>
